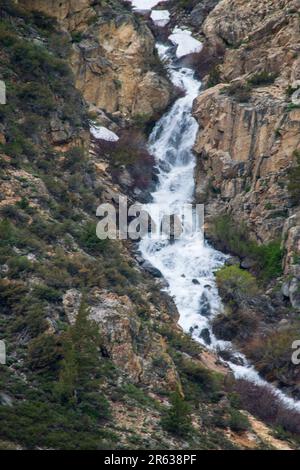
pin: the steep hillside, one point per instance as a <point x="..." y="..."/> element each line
<point x="94" y="356"/>
<point x="95" y="359"/>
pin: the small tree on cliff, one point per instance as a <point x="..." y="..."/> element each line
<point x="177" y="419"/>
<point x="82" y="368"/>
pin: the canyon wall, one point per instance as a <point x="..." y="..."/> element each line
<point x="113" y="57"/>
<point x="249" y="128"/>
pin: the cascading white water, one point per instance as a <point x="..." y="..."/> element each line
<point x="188" y="264"/>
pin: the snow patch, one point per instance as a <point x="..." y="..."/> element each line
<point x="186" y="44"/>
<point x="101" y="132"/>
<point x="160" y="17"/>
<point x="145" y="4"/>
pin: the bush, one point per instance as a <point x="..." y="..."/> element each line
<point x="234" y="238"/>
<point x="261" y="401"/>
<point x="233" y="280"/>
<point x="214" y="77"/>
<point x="180" y="341"/>
<point x="262" y="78"/>
<point x="294" y="180"/>
<point x="35" y="61"/>
<point x="137" y="394"/>
<point x="37" y="98"/>
<point x="19" y="265"/>
<point x="199" y="384"/>
<point x="44" y="353"/>
<point x="272" y="354"/>
<point x="77" y="37"/>
<point x="177" y="419"/>
<point x="269" y="259"/>
<point x="187" y="5"/>
<point x="47" y="293"/>
<point x="238" y="422"/>
<point x="242" y="93"/>
<point x="74" y="159"/>
<point x="7" y="35"/>
<point x="90" y="241"/>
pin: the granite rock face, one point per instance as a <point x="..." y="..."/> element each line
<point x="246" y="142"/>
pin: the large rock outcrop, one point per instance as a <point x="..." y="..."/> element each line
<point x="113" y="56"/>
<point x="249" y="128"/>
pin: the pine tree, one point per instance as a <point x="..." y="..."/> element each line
<point x="177" y="419"/>
<point x="82" y="367"/>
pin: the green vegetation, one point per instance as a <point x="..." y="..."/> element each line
<point x="271" y="353"/>
<point x="294" y="180"/>
<point x="267" y="258"/>
<point x="234" y="279"/>
<point x="214" y="77"/>
<point x="240" y="92"/>
<point x="177" y="419"/>
<point x="65" y="408"/>
<point x="262" y="78"/>
<point x="186" y="5"/>
<point x="82" y="368"/>
<point x="238" y="422"/>
<point x="292" y="106"/>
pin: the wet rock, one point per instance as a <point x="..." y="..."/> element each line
<point x="230" y="355"/>
<point x="195" y="281"/>
<point x="205" y="335"/>
<point x="247" y="263"/>
<point x="164" y="166"/>
<point x="204" y="308"/>
<point x="291" y="290"/>
<point x="147" y="266"/>
<point x="125" y="178"/>
<point x="233" y="261"/>
<point x="171" y="226"/>
<point x="139" y="259"/>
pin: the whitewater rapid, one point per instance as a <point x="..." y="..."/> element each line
<point x="189" y="263"/>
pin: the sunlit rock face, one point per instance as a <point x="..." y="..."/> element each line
<point x="113" y="57"/>
<point x="247" y="141"/>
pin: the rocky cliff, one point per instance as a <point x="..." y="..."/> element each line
<point x="113" y="57"/>
<point x="249" y="127"/>
<point x="247" y="152"/>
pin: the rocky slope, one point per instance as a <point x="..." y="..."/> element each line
<point x="247" y="163"/>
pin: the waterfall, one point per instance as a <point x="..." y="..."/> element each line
<point x="188" y="264"/>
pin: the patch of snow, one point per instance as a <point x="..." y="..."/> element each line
<point x="145" y="4"/>
<point x="186" y="44"/>
<point x="101" y="132"/>
<point x="160" y="17"/>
